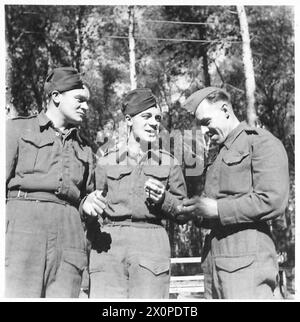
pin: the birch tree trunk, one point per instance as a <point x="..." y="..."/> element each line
<point x="132" y="48"/>
<point x="248" y="67"/>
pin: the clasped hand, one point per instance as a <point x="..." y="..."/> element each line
<point x="94" y="203"/>
<point x="199" y="206"/>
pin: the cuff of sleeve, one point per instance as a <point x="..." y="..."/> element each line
<point x="169" y="207"/>
<point x="226" y="212"/>
<point x="168" y="204"/>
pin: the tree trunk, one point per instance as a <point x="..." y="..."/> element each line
<point x="132" y="48"/>
<point x="248" y="67"/>
<point x="79" y="37"/>
<point x="203" y="53"/>
<point x="205" y="67"/>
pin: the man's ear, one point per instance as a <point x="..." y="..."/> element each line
<point x="128" y="119"/>
<point x="56" y="96"/>
<point x="224" y="109"/>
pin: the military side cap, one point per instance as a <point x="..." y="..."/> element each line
<point x="63" y="79"/>
<point x="137" y="101"/>
<point x="196" y="98"/>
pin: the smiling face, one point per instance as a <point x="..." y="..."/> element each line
<point x="145" y="125"/>
<point x="214" y="116"/>
<point x="73" y="105"/>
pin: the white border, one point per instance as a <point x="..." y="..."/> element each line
<point x="165" y="2"/>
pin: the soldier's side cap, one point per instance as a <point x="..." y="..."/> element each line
<point x="63" y="79"/>
<point x="137" y="101"/>
<point x="196" y="98"/>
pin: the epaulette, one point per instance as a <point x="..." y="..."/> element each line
<point x="251" y="132"/>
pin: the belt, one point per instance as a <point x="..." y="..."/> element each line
<point x="128" y="220"/>
<point x="222" y="231"/>
<point x="35" y="196"/>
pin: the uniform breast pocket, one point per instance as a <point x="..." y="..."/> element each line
<point x="235" y="175"/>
<point x="119" y="183"/>
<point x="34" y="153"/>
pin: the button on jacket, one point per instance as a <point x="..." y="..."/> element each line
<point x="250" y="180"/>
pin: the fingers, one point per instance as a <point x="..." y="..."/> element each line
<point x="186" y="209"/>
<point x="99" y="195"/>
<point x="95" y="203"/>
<point x="189" y="202"/>
<point x="149" y="185"/>
<point x="156" y="182"/>
<point x="97" y="209"/>
<point x="93" y="213"/>
<point x="99" y="203"/>
<point x="152" y="195"/>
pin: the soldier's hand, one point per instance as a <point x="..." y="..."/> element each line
<point x="94" y="204"/>
<point x="155" y="190"/>
<point x="201" y="207"/>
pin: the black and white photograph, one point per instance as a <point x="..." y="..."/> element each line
<point x="149" y="152"/>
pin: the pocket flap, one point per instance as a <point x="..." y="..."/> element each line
<point x="37" y="140"/>
<point x="232" y="264"/>
<point x="235" y="157"/>
<point x="76" y="258"/>
<point x="117" y="172"/>
<point x="161" y="171"/>
<point x="156" y="266"/>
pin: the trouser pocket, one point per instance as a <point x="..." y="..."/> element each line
<point x="234" y="277"/>
<point x="149" y="278"/>
<point x="68" y="278"/>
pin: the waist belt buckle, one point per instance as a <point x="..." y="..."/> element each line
<point x="22" y="194"/>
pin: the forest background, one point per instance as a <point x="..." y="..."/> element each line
<point x="175" y="50"/>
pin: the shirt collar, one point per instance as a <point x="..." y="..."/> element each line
<point x="235" y="133"/>
<point x="123" y="152"/>
<point x="45" y="122"/>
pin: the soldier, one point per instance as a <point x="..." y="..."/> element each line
<point x="144" y="185"/>
<point x="246" y="186"/>
<point x="49" y="172"/>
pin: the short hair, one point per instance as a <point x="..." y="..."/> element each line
<point x="217" y="96"/>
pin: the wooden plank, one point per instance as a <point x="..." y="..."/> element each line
<point x="185" y="260"/>
<point x="187" y="278"/>
<point x="199" y="289"/>
<point x="187" y="284"/>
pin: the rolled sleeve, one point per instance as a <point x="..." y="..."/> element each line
<point x="270" y="186"/>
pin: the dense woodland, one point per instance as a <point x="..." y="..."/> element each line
<point x="177" y="50"/>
